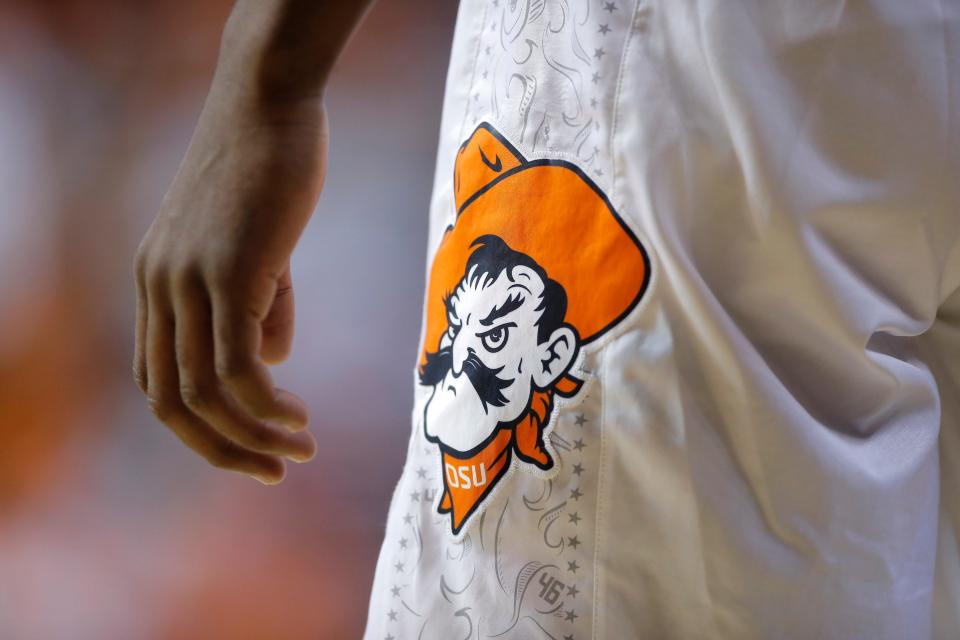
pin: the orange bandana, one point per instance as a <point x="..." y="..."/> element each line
<point x="466" y="481"/>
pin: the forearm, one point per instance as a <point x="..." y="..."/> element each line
<point x="275" y="52"/>
<point x="213" y="271"/>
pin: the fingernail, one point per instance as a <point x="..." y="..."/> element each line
<point x="267" y="480"/>
<point x="300" y="458"/>
<point x="293" y="427"/>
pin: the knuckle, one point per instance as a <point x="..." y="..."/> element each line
<point x="263" y="437"/>
<point x="162" y="408"/>
<point x="140" y="377"/>
<point x="184" y="276"/>
<point x="140" y="266"/>
<point x="232" y="366"/>
<point x="224" y="455"/>
<point x="222" y="275"/>
<point x="255" y="407"/>
<point x="155" y="280"/>
<point x="195" y="395"/>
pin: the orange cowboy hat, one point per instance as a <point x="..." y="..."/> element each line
<point x="551" y="211"/>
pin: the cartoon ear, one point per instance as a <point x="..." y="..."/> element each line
<point x="555" y="355"/>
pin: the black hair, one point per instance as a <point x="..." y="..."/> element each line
<point x="494" y="256"/>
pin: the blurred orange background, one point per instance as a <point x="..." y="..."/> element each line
<point x="109" y="527"/>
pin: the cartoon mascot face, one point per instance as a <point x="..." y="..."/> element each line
<point x="536" y="267"/>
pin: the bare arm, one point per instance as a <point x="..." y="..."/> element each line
<point x="214" y="294"/>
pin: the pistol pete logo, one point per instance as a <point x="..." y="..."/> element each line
<point x="536" y="266"/>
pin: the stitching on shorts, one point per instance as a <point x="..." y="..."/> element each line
<point x="631" y="27"/>
<point x="600" y="532"/>
<point x="473" y="76"/>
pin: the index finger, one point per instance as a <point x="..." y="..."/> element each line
<point x="237" y="335"/>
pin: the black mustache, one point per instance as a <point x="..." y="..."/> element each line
<point x="485" y="380"/>
<point x="435" y="368"/>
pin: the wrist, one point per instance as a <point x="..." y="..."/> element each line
<point x="261" y="73"/>
<point x="281" y="51"/>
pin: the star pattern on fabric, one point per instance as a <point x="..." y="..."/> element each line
<point x="599" y="53"/>
<point x="407" y="519"/>
<point x="403" y="543"/>
<point x="604" y="29"/>
<point x="392" y="615"/>
<point x="595" y="78"/>
<point x="574" y="541"/>
<point x="398" y="566"/>
<point x="609" y="7"/>
<point x="421" y="472"/>
<point x="395" y="591"/>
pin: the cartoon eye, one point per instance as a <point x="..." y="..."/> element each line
<point x="496" y="338"/>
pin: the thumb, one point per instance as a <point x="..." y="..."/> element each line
<point x="277" y="327"/>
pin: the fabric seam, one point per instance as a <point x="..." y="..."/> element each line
<point x="601" y="533"/>
<point x="473" y="75"/>
<point x="631" y="27"/>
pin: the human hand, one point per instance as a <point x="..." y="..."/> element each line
<point x="214" y="291"/>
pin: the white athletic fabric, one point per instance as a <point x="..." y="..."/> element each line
<point x="767" y="443"/>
